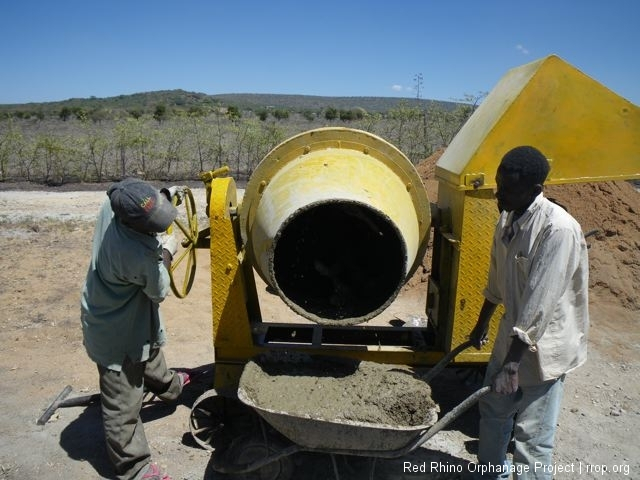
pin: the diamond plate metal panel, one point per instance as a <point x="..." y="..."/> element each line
<point x="476" y="224"/>
<point x="229" y="285"/>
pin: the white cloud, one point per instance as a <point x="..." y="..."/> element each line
<point x="397" y="88"/>
<point x="522" y="50"/>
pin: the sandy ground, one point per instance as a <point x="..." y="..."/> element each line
<point x="45" y="243"/>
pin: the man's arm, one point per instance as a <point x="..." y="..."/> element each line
<point x="479" y="333"/>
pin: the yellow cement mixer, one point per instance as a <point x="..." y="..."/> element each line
<point x="335" y="220"/>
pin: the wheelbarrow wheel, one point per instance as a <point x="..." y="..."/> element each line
<point x="207" y="419"/>
<point x="250" y="448"/>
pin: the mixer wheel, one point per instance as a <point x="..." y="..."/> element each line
<point x="184" y="261"/>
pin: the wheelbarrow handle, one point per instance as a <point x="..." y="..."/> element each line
<point x="444" y="361"/>
<point x="451" y="416"/>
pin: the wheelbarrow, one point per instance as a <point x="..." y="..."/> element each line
<point x="334" y="437"/>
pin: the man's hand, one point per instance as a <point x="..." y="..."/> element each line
<point x="506" y="381"/>
<point x="479" y="336"/>
<point x="169" y="243"/>
<point x="172" y="192"/>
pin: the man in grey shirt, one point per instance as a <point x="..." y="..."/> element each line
<point x="123" y="331"/>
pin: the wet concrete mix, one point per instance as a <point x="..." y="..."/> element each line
<point x="330" y="388"/>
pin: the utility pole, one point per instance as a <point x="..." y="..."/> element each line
<point x="418" y="81"/>
<point x="417" y="78"/>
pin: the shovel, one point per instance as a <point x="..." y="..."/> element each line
<point x="62" y="401"/>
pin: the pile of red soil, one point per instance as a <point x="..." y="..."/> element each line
<point x="612" y="209"/>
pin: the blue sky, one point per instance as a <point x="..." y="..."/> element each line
<point x="59" y="49"/>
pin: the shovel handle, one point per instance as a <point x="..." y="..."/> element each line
<point x="62" y="401"/>
<point x="44" y="418"/>
<point x="82" y="401"/>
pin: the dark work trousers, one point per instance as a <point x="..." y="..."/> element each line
<point x="122" y="394"/>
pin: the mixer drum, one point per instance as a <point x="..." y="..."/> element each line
<point x="335" y="220"/>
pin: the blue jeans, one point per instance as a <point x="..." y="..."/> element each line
<point x="531" y="414"/>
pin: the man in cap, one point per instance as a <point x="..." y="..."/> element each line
<point x="123" y="331"/>
<point x="539" y="272"/>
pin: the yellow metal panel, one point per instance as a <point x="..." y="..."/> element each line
<point x="473" y="215"/>
<point x="230" y="314"/>
<point x="589" y="132"/>
<point x="479" y="218"/>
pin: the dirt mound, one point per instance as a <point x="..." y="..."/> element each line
<point x="339" y="389"/>
<point x="609" y="210"/>
<point x="612" y="210"/>
<point x="427" y="168"/>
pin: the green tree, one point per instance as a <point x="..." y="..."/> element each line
<point x="97" y="147"/>
<point x="330" y="113"/>
<point x="370" y="121"/>
<point x="261" y="138"/>
<point x="11" y="140"/>
<point x="173" y="152"/>
<point x="80" y="113"/>
<point x="50" y="153"/>
<point x="197" y="111"/>
<point x="309" y="115"/>
<point x="98" y="115"/>
<point x="405" y="129"/>
<point x="447" y="122"/>
<point x="132" y="140"/>
<point x="65" y="113"/>
<point x="233" y="113"/>
<point x="27" y="162"/>
<point x="160" y="113"/>
<point x="197" y="127"/>
<point x="217" y="145"/>
<point x="281" y="114"/>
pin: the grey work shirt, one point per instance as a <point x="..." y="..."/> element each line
<point x="125" y="283"/>
<point x="539" y="270"/>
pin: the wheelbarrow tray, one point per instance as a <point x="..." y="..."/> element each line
<point x="321" y="434"/>
<point x="310" y="430"/>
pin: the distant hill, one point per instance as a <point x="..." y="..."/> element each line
<point x="183" y="100"/>
<point x="299" y="103"/>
